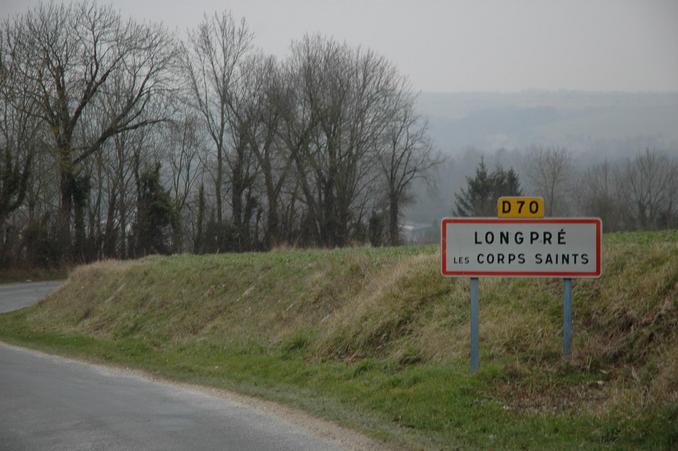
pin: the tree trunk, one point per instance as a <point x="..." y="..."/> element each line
<point x="219" y="182"/>
<point x="272" y="222"/>
<point x="65" y="205"/>
<point x="124" y="239"/>
<point x="198" y="243"/>
<point x="236" y="199"/>
<point x="272" y="226"/>
<point x="393" y="226"/>
<point x="329" y="228"/>
<point x="110" y="234"/>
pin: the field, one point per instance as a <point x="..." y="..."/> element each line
<point x="376" y="339"/>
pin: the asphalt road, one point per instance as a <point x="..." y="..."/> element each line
<point x="51" y="403"/>
<point x="20" y="295"/>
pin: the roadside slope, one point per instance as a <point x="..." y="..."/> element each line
<point x="377" y="340"/>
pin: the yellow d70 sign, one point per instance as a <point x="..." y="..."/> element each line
<point x="520" y="207"/>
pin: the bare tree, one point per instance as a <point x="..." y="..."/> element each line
<point x="257" y="107"/>
<point x="297" y="131"/>
<point x="18" y="131"/>
<point x="181" y="146"/>
<point x="91" y="137"/>
<point x="407" y="154"/>
<point x="337" y="126"/>
<point x="248" y="136"/>
<point x="649" y="183"/>
<point x="598" y="194"/>
<point x="550" y="171"/>
<point x="70" y="51"/>
<point x="211" y="59"/>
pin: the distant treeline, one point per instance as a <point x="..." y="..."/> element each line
<point x="120" y="139"/>
<point x="637" y="193"/>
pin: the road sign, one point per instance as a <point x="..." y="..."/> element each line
<point x="520" y="207"/>
<point x="553" y="247"/>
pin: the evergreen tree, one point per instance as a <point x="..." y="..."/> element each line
<point x="156" y="217"/>
<point x="476" y="199"/>
<point x="480" y="196"/>
<point x="506" y="183"/>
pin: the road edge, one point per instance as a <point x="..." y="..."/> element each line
<point x="340" y="436"/>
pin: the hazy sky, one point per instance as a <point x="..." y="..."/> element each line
<point x="469" y="45"/>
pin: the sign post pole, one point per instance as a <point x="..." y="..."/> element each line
<point x="567" y="318"/>
<point x="475" y="351"/>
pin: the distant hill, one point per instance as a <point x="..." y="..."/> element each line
<point x="594" y="126"/>
<point x="612" y="123"/>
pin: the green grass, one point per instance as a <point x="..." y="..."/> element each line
<point x="377" y="340"/>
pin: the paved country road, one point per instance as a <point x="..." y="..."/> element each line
<point x="52" y="403"/>
<point x="19" y="295"/>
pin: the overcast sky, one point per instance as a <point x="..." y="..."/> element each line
<point x="469" y="45"/>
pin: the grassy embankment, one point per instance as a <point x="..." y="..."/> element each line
<point x="377" y="340"/>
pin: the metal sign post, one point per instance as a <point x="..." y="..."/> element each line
<point x="567" y="318"/>
<point x="475" y="347"/>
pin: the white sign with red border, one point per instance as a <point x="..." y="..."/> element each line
<point x="552" y="247"/>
